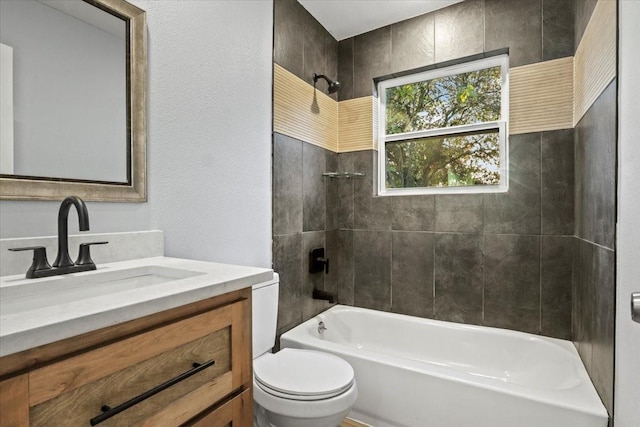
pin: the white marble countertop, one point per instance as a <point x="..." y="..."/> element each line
<point x="30" y="320"/>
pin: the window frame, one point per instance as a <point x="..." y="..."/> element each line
<point x="500" y="125"/>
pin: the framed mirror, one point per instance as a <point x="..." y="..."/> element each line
<point x="73" y="112"/>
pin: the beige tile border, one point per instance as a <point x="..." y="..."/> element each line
<point x="541" y="96"/>
<point x="302" y="112"/>
<point x="357" y="124"/>
<point x="541" y="99"/>
<point x="595" y="60"/>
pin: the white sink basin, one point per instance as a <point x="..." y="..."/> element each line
<point x="80" y="286"/>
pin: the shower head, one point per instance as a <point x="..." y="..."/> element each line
<point x="333" y="85"/>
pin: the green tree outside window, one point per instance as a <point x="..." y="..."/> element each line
<point x="461" y="158"/>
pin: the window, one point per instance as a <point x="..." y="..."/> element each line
<point x="445" y="130"/>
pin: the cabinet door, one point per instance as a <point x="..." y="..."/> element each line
<point x="237" y="412"/>
<point x="103" y="381"/>
<point x="14" y="398"/>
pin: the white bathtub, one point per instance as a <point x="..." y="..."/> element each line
<point x="417" y="372"/>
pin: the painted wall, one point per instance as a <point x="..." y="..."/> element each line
<point x="209" y="131"/>
<point x="627" y="340"/>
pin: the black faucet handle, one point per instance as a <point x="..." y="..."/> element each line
<point x="84" y="255"/>
<point x="317" y="261"/>
<point x="39" y="263"/>
<point x="325" y="261"/>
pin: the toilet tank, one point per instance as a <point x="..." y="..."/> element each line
<point x="264" y="310"/>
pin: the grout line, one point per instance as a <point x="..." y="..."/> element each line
<point x="540" y="243"/>
<point x="542" y="30"/>
<point x="484" y="26"/>
<point x="594" y="244"/>
<point x="540" y="284"/>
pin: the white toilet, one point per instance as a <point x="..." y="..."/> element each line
<point x="294" y="388"/>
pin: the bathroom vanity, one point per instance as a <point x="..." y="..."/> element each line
<point x="150" y="342"/>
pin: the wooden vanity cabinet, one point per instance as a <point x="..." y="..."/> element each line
<point x="186" y="366"/>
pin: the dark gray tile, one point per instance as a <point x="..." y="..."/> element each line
<point x="287" y="185"/>
<point x="331" y="59"/>
<point x="412" y="273"/>
<point x="413" y="213"/>
<point x="370" y="212"/>
<point x="583" y="11"/>
<point x="556" y="258"/>
<point x="310" y="281"/>
<point x="331" y="191"/>
<point x="458" y="278"/>
<point x="412" y="43"/>
<point x="557" y="182"/>
<point x="340" y="253"/>
<point x="345" y="69"/>
<point x="459" y="30"/>
<point x="345" y="191"/>
<point x="595" y="172"/>
<point x="580" y="213"/>
<point x="371" y="58"/>
<point x="518" y="210"/>
<point x="516" y="25"/>
<point x="313" y="51"/>
<point x="512" y="282"/>
<point x="313" y="187"/>
<point x="288" y="28"/>
<point x="459" y="213"/>
<point x="287" y="263"/>
<point x="583" y="300"/>
<point x="372" y="269"/>
<point x="594" y="315"/>
<point x="604" y="321"/>
<point x="557" y="29"/>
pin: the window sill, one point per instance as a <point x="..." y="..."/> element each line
<point x="493" y="189"/>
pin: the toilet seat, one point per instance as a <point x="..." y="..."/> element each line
<point x="303" y="375"/>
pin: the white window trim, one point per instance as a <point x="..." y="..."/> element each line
<point x="501" y="125"/>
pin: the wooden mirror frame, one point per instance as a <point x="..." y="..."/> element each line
<point x="29" y="188"/>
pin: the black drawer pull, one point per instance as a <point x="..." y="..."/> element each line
<point x="108" y="412"/>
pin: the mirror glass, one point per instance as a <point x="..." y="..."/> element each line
<point x="65" y="114"/>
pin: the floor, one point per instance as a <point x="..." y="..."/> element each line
<point x="351" y="423"/>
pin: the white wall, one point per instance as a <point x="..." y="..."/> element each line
<point x="627" y="371"/>
<point x="209" y="137"/>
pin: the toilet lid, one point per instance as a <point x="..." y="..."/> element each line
<point x="303" y="374"/>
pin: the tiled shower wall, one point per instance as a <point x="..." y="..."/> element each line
<point x="502" y="259"/>
<point x="595" y="220"/>
<point x="496" y="259"/>
<point x="302" y="214"/>
<point x="524" y="260"/>
<point x="304" y="205"/>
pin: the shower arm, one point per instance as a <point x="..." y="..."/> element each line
<point x="332" y="86"/>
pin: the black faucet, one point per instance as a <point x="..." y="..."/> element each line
<point x="328" y="296"/>
<point x="63" y="259"/>
<point x="63" y="264"/>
